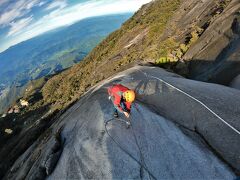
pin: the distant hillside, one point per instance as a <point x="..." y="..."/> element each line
<point x="56" y="50"/>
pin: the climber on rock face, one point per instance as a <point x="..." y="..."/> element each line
<point x="122" y="98"/>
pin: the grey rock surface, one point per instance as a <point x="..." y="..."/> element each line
<point x="167" y="139"/>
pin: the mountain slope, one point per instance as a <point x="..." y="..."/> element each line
<point x="154" y="147"/>
<point x="48" y="142"/>
<point x="107" y="59"/>
<point x="164" y="33"/>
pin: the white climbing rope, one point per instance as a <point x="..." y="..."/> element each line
<point x="200" y="102"/>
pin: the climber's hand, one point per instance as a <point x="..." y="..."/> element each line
<point x="127" y="114"/>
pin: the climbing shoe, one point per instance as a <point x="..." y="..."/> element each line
<point x="115" y="114"/>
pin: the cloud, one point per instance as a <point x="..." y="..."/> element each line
<point x="60" y="4"/>
<point x="68" y="16"/>
<point x="2" y="2"/>
<point x="42" y="3"/>
<point x="18" y="26"/>
<point x="16" y="10"/>
<point x="32" y="3"/>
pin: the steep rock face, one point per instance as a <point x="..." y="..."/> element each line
<point x="171" y="136"/>
<point x="215" y="57"/>
<point x="210" y="34"/>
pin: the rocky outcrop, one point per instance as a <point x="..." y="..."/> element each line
<point x="207" y="109"/>
<point x="40" y="159"/>
<point x="24" y="133"/>
<point x="170" y="132"/>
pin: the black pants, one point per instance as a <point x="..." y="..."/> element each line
<point x="123" y="107"/>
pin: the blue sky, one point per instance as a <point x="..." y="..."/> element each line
<point x="23" y="19"/>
